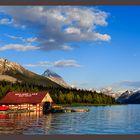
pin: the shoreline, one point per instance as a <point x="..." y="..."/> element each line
<point x="83" y="104"/>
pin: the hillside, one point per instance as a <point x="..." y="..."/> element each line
<point x="13" y="72"/>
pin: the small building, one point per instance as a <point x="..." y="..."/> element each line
<point x="26" y="100"/>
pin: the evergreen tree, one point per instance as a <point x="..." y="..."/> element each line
<point x="59" y="95"/>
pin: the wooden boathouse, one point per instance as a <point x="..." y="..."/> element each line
<point x="26" y="100"/>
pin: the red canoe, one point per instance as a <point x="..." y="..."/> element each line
<point x="4" y="108"/>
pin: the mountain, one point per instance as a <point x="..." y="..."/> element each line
<point x="11" y="71"/>
<point x="114" y="95"/>
<point x="108" y="91"/>
<point x="130" y="97"/>
<point x="55" y="78"/>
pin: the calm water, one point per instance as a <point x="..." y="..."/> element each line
<point x="120" y="119"/>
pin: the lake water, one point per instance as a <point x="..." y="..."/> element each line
<point x="118" y="119"/>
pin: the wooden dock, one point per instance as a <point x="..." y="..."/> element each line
<point x="76" y="110"/>
<point x="60" y="109"/>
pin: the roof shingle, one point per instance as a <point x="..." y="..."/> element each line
<point x="23" y="97"/>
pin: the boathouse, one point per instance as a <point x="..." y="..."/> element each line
<point x="26" y="100"/>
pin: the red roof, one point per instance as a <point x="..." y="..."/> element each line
<point x="23" y="97"/>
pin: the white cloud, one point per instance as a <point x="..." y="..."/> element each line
<point x="103" y="37"/>
<point x="59" y="63"/>
<point x="31" y="39"/>
<point x="66" y="63"/>
<point x="5" y="21"/>
<point x="18" y="25"/>
<point x="51" y="40"/>
<point x="72" y="30"/>
<point x="12" y="22"/>
<point x="18" y="47"/>
<point x="66" y="47"/>
<point x="15" y="37"/>
<point x="25" y="40"/>
<point x="40" y="64"/>
<point x="32" y="65"/>
<point x="58" y="26"/>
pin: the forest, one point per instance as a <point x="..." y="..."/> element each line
<point x="59" y="95"/>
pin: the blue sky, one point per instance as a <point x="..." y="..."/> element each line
<point x="90" y="47"/>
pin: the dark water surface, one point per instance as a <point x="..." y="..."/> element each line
<point x="118" y="119"/>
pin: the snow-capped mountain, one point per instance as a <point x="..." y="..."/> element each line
<point x="108" y="91"/>
<point x="130" y="97"/>
<point x="13" y="72"/>
<point x="114" y="95"/>
<point x="55" y="78"/>
<point x="6" y="66"/>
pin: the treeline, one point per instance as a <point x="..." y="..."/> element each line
<point x="70" y="96"/>
<point x="59" y="95"/>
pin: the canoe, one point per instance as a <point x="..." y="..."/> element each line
<point x="4" y="108"/>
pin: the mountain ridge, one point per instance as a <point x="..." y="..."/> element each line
<point x="130" y="97"/>
<point x="14" y="72"/>
<point x="55" y="78"/>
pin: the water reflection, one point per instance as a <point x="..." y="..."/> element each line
<point x="100" y="120"/>
<point x="17" y="123"/>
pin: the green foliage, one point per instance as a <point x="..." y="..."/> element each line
<point x="59" y="95"/>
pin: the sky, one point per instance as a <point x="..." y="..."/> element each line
<point x="89" y="46"/>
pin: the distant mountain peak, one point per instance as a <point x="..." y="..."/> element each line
<point x="51" y="73"/>
<point x="14" y="72"/>
<point x="130" y="96"/>
<point x="55" y="78"/>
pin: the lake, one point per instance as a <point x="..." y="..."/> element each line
<point x="117" y="119"/>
